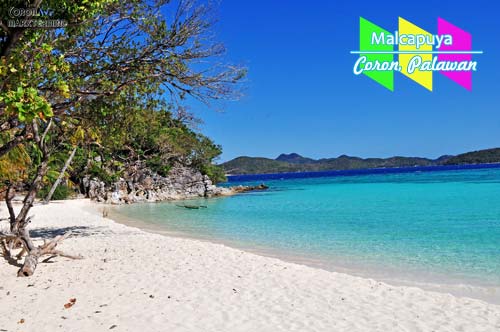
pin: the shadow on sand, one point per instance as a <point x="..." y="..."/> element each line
<point x="76" y="231"/>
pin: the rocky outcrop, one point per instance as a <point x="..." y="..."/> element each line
<point x="242" y="189"/>
<point x="140" y="184"/>
<point x="95" y="189"/>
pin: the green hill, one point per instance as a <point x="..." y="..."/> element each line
<point x="294" y="158"/>
<point x="255" y="165"/>
<point x="476" y="157"/>
<point x="294" y="162"/>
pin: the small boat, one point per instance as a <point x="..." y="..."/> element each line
<point x="193" y="207"/>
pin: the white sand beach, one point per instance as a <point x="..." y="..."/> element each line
<point x="131" y="280"/>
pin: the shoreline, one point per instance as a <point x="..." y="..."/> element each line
<point x="367" y="171"/>
<point x="131" y="279"/>
<point x="432" y="281"/>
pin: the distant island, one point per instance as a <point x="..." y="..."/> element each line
<point x="294" y="162"/>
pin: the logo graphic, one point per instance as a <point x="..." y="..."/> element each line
<point x="419" y="53"/>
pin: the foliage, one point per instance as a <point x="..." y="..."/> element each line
<point x="14" y="165"/>
<point x="104" y="175"/>
<point x="107" y="82"/>
<point x="26" y="103"/>
<point x="62" y="192"/>
<point x="155" y="137"/>
<point x="111" y="69"/>
<point x="156" y="164"/>
<point x="214" y="172"/>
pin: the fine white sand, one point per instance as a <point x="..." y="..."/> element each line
<point x="131" y="280"/>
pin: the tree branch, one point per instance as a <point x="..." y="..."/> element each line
<point x="8" y="202"/>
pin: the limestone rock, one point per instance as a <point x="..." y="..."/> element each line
<point x="140" y="184"/>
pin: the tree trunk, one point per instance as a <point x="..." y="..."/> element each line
<point x="31" y="261"/>
<point x="19" y="228"/>
<point x="7" y="147"/>
<point x="49" y="248"/>
<point x="19" y="223"/>
<point x="61" y="175"/>
<point x="29" y="199"/>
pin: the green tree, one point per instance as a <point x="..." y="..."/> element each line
<point x="113" y="60"/>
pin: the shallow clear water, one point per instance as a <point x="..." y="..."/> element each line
<point x="428" y="224"/>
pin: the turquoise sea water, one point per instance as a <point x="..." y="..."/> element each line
<point x="426" y="225"/>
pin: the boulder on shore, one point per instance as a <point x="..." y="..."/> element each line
<point x="140" y="184"/>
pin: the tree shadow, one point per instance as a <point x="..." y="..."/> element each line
<point x="76" y="231"/>
<point x="11" y="260"/>
<point x="47" y="233"/>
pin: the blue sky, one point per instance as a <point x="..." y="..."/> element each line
<point x="301" y="95"/>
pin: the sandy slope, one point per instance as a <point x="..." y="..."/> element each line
<point x="135" y="281"/>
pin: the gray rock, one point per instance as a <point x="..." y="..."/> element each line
<point x="140" y="184"/>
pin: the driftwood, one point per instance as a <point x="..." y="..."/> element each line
<point x="19" y="237"/>
<point x="9" y="242"/>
